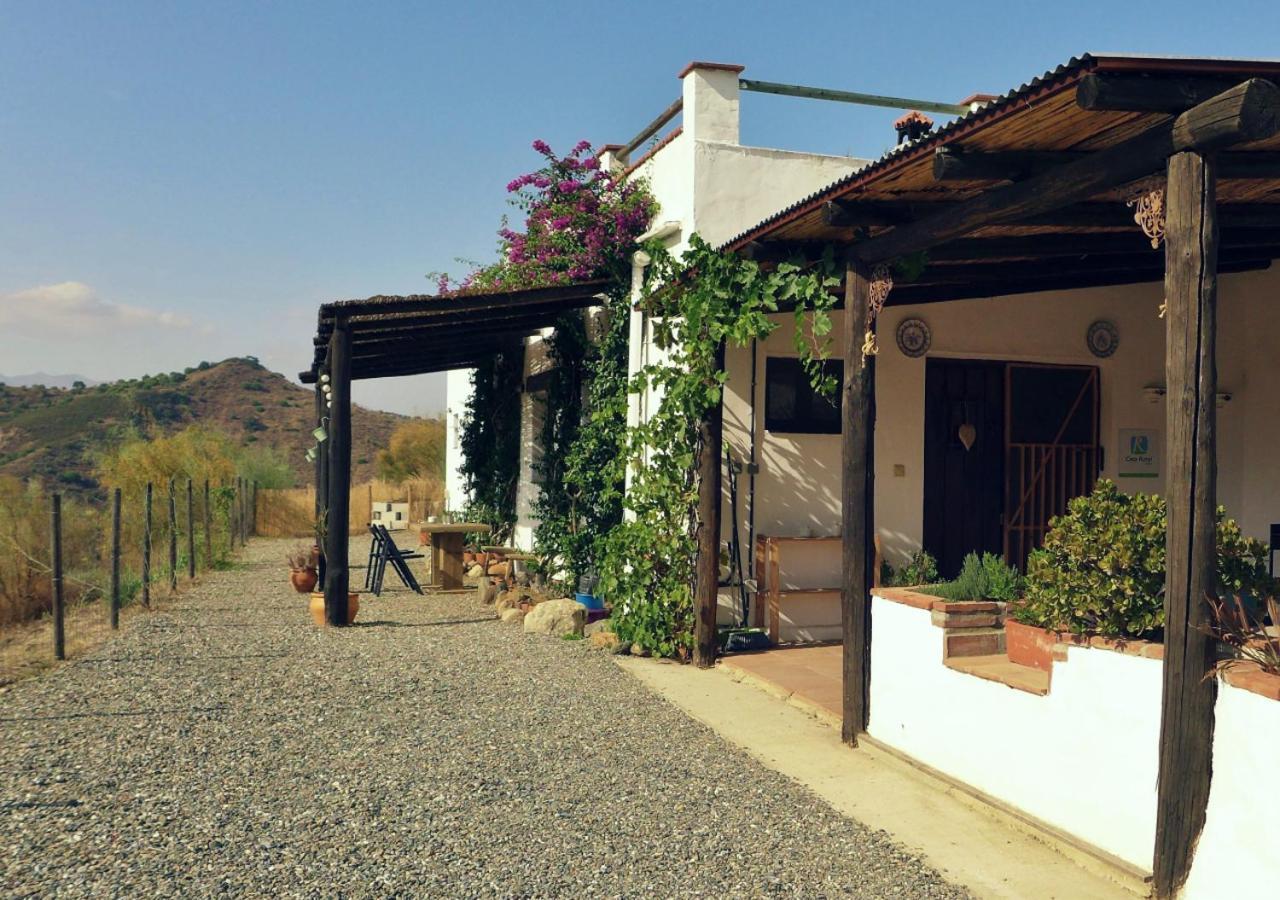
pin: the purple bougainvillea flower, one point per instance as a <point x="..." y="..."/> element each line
<point x="541" y="147"/>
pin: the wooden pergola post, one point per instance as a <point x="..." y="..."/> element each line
<point x="857" y="435"/>
<point x="1187" y="716"/>
<point x="337" y="573"/>
<point x="707" y="587"/>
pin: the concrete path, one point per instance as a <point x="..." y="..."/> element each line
<point x="986" y="852"/>
<point x="227" y="746"/>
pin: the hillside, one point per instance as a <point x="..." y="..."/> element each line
<point x="53" y="433"/>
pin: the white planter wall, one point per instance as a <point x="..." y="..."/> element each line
<point x="1083" y="758"/>
<point x="1238" y="853"/>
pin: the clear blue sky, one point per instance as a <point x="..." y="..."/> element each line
<point x="183" y="181"/>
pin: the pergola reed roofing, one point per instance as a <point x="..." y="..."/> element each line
<point x="422" y="333"/>
<point x="1043" y="125"/>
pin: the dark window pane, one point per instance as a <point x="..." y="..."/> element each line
<point x="790" y="403"/>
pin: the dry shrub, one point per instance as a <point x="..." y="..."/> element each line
<point x="25" y="532"/>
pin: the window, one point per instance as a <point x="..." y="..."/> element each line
<point x="792" y="405"/>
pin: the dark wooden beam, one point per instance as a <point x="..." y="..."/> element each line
<point x="1040" y="246"/>
<point x="935" y="293"/>
<point x="1187" y="709"/>
<point x="707" y="587"/>
<point x="318" y="463"/>
<point x="355" y="310"/>
<point x="857" y="439"/>
<point x="1247" y="112"/>
<point x="952" y="164"/>
<point x="1151" y="261"/>
<point x="1147" y="93"/>
<point x="337" y="569"/>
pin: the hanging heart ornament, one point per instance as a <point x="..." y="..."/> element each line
<point x="967" y="434"/>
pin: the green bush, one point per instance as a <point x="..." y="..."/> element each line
<point x="985" y="577"/>
<point x="920" y="569"/>
<point x="1102" y="567"/>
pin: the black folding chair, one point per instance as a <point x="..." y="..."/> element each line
<point x="375" y="553"/>
<point x="390" y="553"/>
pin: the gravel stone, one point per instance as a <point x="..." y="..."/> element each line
<point x="227" y="746"/>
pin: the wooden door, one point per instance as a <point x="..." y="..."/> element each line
<point x="1053" y="452"/>
<point x="964" y="459"/>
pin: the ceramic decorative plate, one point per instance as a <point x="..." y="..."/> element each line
<point x="914" y="338"/>
<point x="1103" y="338"/>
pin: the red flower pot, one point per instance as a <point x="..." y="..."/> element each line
<point x="304" y="580"/>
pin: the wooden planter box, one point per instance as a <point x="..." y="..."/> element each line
<point x="1030" y="646"/>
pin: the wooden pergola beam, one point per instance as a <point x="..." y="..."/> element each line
<point x="337" y="564"/>
<point x="1246" y="112"/>
<point x="1189" y="692"/>
<point x="1031" y="246"/>
<point x="857" y="503"/>
<point x="1066" y="267"/>
<point x="877" y="214"/>
<point x="952" y="164"/>
<point x="1147" y="93"/>
<point x="935" y="293"/>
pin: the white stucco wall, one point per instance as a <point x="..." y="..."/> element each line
<point x="457" y="391"/>
<point x="1236" y="856"/>
<point x="1083" y="758"/>
<point x="798" y="488"/>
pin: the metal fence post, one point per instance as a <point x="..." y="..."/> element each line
<point x="146" y="549"/>
<point x="191" y="532"/>
<point x="55" y="547"/>
<point x="115" y="559"/>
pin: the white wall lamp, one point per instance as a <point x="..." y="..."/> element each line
<point x="310" y="454"/>
<point x="319" y="432"/>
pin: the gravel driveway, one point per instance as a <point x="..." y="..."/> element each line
<point x="229" y="747"/>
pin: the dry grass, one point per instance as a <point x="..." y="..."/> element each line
<point x="290" y="512"/>
<point x="26" y="648"/>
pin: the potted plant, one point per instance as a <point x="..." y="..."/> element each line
<point x="302" y="569"/>
<point x="317" y="607"/>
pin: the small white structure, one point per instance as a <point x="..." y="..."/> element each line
<point x="392" y="516"/>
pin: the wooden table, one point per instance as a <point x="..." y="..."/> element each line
<point x="447" y="541"/>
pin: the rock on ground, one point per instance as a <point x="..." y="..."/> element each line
<point x="556" y="617"/>
<point x="228" y="747"/>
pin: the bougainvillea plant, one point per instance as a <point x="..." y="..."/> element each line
<point x="581" y="223"/>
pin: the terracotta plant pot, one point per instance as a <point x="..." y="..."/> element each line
<point x="317" y="607"/>
<point x="482" y="559"/>
<point x="468" y="558"/>
<point x="304" y="580"/>
<point x="1028" y="645"/>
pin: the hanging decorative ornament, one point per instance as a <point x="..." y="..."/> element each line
<point x="877" y="293"/>
<point x="967" y="434"/>
<point x="1103" y="338"/>
<point x="914" y="338"/>
<point x="1147" y="202"/>
<point x="881" y="285"/>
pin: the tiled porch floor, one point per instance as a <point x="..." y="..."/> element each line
<point x="810" y="673"/>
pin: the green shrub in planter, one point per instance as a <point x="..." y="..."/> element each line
<point x="1102" y="566"/>
<point x="920" y="569"/>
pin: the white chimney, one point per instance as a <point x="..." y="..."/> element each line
<point x="711" y="101"/>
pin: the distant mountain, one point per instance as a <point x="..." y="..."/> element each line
<point x="53" y="433"/>
<point x="44" y="379"/>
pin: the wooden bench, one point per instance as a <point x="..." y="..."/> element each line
<point x="508" y="556"/>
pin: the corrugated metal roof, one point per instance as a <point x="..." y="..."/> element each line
<point x="1075" y="66"/>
